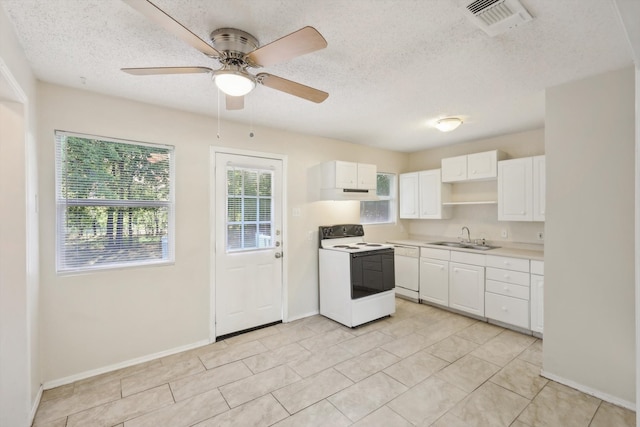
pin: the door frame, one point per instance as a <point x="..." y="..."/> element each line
<point x="214" y="150"/>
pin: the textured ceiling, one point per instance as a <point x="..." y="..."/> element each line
<point x="392" y="67"/>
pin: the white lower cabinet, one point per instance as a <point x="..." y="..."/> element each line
<point x="507" y="291"/>
<point x="466" y="283"/>
<point x="513" y="311"/>
<point x="434" y="275"/>
<point x="537" y="296"/>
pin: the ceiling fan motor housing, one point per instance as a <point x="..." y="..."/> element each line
<point x="234" y="44"/>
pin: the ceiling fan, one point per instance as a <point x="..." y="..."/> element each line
<point x="237" y="50"/>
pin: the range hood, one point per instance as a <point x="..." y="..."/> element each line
<point x="348" y="194"/>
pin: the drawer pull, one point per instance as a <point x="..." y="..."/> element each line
<point x="506" y="289"/>
<point x="506" y="276"/>
<point x="504" y="309"/>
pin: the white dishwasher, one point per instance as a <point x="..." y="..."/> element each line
<point x="407" y="267"/>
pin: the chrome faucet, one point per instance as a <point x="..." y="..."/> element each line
<point x="468" y="234"/>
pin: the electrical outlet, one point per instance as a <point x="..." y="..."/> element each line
<point x="504" y="233"/>
<point x="540" y="235"/>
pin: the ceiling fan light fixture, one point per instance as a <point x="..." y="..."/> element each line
<point x="448" y="124"/>
<point x="234" y="82"/>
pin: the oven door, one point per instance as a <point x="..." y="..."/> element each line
<point x="372" y="272"/>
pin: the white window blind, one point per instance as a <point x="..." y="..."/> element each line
<point x="249" y="208"/>
<point x="382" y="211"/>
<point x="115" y="202"/>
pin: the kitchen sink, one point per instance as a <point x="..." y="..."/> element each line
<point x="464" y="245"/>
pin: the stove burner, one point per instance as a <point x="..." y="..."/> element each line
<point x="345" y="247"/>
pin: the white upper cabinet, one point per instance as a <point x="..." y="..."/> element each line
<point x="409" y="195"/>
<point x="539" y="188"/>
<point x="521" y="189"/>
<point x="454" y="169"/>
<point x="367" y="176"/>
<point x="515" y="190"/>
<point x="432" y="194"/>
<point x="349" y="175"/>
<point x="422" y="194"/>
<point x="471" y="167"/>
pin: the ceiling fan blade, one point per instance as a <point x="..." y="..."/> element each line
<point x="166" y="70"/>
<point x="292" y="88"/>
<point x="235" y="102"/>
<point x="163" y="19"/>
<point x="303" y="41"/>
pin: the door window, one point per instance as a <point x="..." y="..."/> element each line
<point x="249" y="209"/>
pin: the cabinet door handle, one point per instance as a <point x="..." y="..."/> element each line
<point x="442" y="267"/>
<point x="455" y="270"/>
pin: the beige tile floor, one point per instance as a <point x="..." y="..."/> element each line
<point x="421" y="367"/>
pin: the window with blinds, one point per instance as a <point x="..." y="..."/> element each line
<point x="383" y="210"/>
<point x="115" y="202"/>
<point x="249" y="209"/>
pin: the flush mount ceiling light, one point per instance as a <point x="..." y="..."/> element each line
<point x="234" y="81"/>
<point x="448" y="124"/>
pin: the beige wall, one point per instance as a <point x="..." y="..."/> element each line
<point x="589" y="252"/>
<point x="20" y="376"/>
<point x="482" y="220"/>
<point x="95" y="320"/>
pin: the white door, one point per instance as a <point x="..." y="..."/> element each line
<point x="539" y="188"/>
<point x="248" y="253"/>
<point x="466" y="288"/>
<point x="434" y="281"/>
<point x="409" y="195"/>
<point x="515" y="190"/>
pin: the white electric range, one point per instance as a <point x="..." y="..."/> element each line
<point x="356" y="278"/>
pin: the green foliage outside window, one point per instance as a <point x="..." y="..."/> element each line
<point x="114" y="202"/>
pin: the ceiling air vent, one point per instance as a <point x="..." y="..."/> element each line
<point x="497" y="16"/>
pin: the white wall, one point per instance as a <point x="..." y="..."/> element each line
<point x="589" y="338"/>
<point x="95" y="320"/>
<point x="20" y="376"/>
<point x="482" y="220"/>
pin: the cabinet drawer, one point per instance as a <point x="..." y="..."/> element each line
<point x="468" y="258"/>
<point x="537" y="267"/>
<point x="507" y="289"/>
<point x="509" y="310"/>
<point x="442" y="254"/>
<point x="508" y="276"/>
<point x="516" y="264"/>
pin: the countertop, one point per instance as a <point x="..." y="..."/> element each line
<point x="501" y="251"/>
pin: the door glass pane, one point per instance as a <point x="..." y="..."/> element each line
<point x="265" y="209"/>
<point x="249" y="209"/>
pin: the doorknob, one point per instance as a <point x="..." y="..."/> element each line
<point x="278" y="254"/>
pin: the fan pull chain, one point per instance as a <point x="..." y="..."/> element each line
<point x="251" y="118"/>
<point x="218" y="134"/>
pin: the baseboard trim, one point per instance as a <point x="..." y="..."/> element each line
<point x="36" y="404"/>
<point x="87" y="374"/>
<point x="302" y="316"/>
<point x="590" y="391"/>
